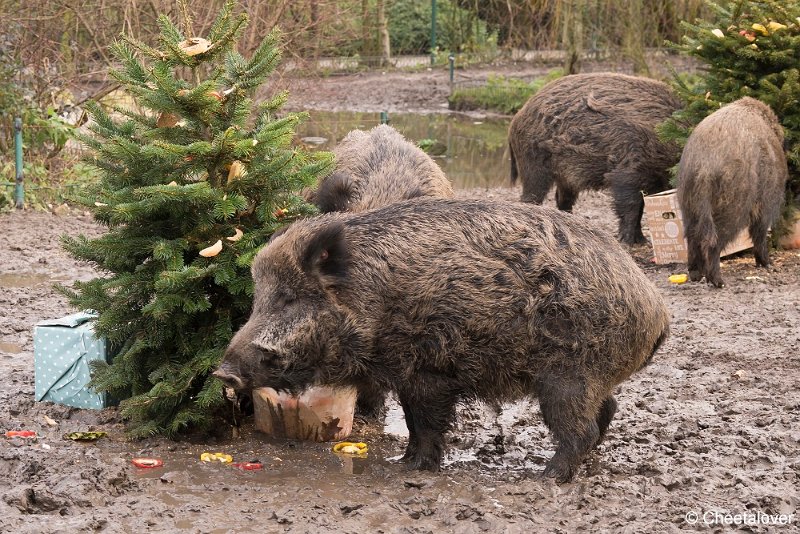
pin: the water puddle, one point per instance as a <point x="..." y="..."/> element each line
<point x="204" y="494"/>
<point x="472" y="153"/>
<point x="23" y="279"/>
<point x="280" y="459"/>
<point x="395" y="422"/>
<point x="10" y="348"/>
<point x="186" y="483"/>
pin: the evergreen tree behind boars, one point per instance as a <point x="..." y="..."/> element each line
<point x="195" y="179"/>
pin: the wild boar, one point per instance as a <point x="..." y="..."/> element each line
<point x="595" y="131"/>
<point x="376" y="168"/>
<point x="732" y="175"/>
<point x="443" y="301"/>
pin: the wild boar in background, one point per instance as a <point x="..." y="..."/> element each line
<point x="595" y="131"/>
<point x="374" y="169"/>
<point x="378" y="167"/>
<point x="444" y="301"/>
<point x="732" y="175"/>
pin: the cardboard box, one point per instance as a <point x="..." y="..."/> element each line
<point x="665" y="220"/>
<point x="318" y="414"/>
<point x="62" y="350"/>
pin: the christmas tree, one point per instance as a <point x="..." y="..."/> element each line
<point x="194" y="180"/>
<point x="751" y="48"/>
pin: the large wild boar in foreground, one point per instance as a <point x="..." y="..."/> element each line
<point x="378" y="167"/>
<point x="443" y="301"/>
<point x="732" y="175"/>
<point x="595" y="131"/>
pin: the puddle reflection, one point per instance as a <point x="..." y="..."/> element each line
<point x="472" y="153"/>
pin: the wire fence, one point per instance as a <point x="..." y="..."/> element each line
<point x="344" y="65"/>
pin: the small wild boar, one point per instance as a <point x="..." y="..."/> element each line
<point x="376" y="168"/>
<point x="444" y="301"/>
<point x="732" y="175"/>
<point x="595" y="131"/>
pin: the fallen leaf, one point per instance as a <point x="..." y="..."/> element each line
<point x="167" y="120"/>
<point x="49" y="420"/>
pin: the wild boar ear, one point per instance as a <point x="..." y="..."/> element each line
<point x="278" y="232"/>
<point x="326" y="255"/>
<point x="334" y="193"/>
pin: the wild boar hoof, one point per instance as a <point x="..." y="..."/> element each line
<point x="717" y="282"/>
<point x="634" y="240"/>
<point x="560" y="470"/>
<point x="420" y="463"/>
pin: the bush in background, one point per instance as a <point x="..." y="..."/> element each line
<point x="500" y="94"/>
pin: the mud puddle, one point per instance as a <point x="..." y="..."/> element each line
<point x="23" y="279"/>
<point x="10" y="348"/>
<point x="26" y="280"/>
<point x="281" y="460"/>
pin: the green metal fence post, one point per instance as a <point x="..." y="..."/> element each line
<point x="384" y="117"/>
<point x="452" y="59"/>
<point x="433" y="32"/>
<point x="19" y="191"/>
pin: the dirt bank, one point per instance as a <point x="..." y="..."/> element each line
<point x="426" y="89"/>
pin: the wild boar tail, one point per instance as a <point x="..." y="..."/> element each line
<point x="514" y="171"/>
<point x="660" y="341"/>
<point x="704" y="230"/>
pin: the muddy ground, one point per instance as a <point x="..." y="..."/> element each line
<point x="713" y="425"/>
<point x="426" y="90"/>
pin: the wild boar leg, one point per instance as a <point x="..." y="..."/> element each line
<point x="537" y="177"/>
<point x="713" y="273"/>
<point x="430" y="408"/>
<point x="758" y="235"/>
<point x="413" y="446"/>
<point x="696" y="261"/>
<point x="607" y="411"/>
<point x="371" y="402"/>
<point x="628" y="205"/>
<point x="574" y="420"/>
<point x="565" y="197"/>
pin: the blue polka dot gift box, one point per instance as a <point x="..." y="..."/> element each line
<point x="62" y="350"/>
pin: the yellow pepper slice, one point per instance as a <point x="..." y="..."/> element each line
<point x="351" y="448"/>
<point x="216" y="457"/>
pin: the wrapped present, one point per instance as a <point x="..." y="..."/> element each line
<point x="62" y="350"/>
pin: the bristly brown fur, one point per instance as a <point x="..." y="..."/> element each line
<point x="443" y="300"/>
<point x="595" y="131"/>
<point x="373" y="169"/>
<point x="377" y="168"/>
<point x="732" y="175"/>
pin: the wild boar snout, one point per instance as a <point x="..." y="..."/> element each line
<point x="229" y="379"/>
